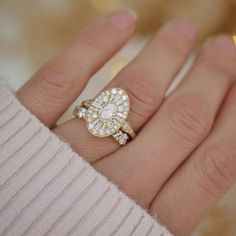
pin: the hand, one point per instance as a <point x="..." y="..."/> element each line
<point x="183" y="159"/>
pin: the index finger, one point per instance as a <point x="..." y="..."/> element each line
<point x="54" y="87"/>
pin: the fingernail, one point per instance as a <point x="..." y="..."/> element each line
<point x="123" y="20"/>
<point x="227" y="44"/>
<point x="187" y="29"/>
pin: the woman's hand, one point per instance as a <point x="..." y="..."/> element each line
<point x="183" y="159"/>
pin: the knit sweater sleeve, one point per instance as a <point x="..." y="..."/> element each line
<point x="47" y="189"/>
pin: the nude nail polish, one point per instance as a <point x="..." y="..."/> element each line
<point x="123" y="20"/>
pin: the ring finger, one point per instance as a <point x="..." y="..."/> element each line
<point x="145" y="79"/>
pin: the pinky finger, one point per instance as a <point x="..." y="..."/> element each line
<point x="204" y="178"/>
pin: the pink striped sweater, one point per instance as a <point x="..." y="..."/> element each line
<point x="47" y="189"/>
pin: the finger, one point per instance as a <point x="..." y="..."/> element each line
<point x="75" y="132"/>
<point x="179" y="126"/>
<point x="204" y="178"/>
<point x="145" y="79"/>
<point x="149" y="75"/>
<point x="49" y="93"/>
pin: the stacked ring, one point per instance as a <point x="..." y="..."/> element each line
<point x="106" y="115"/>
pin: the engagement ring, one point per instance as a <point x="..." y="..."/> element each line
<point x="107" y="114"/>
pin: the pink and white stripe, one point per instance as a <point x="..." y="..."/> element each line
<point x="47" y="189"/>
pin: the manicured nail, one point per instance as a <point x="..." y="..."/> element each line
<point x="227" y="44"/>
<point x="187" y="29"/>
<point x="123" y="20"/>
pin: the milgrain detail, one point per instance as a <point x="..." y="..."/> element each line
<point x="35" y="198"/>
<point x="37" y="173"/>
<point x="16" y="132"/>
<point x="6" y="107"/>
<point x="122" y="221"/>
<point x="78" y="198"/>
<point x="55" y="200"/>
<point x="5" y="162"/>
<point x="136" y="226"/>
<point x="106" y="217"/>
<point x="86" y="215"/>
<point x="11" y="118"/>
<point x="150" y="230"/>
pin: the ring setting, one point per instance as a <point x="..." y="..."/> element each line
<point x="106" y="115"/>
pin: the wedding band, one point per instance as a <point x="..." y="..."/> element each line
<point x="106" y="115"/>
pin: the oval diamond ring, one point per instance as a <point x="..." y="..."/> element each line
<point x="107" y="114"/>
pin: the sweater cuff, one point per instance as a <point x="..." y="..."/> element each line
<point x="46" y="188"/>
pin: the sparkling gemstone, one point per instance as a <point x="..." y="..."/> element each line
<point x="82" y="112"/>
<point x="119" y="118"/>
<point x="96" y="104"/>
<point x="108" y="111"/>
<point x="114" y="91"/>
<point x="110" y="124"/>
<point x="119" y="102"/>
<point x="99" y="125"/>
<point x="124" y="97"/>
<point x="90" y="126"/>
<point x="123" y="138"/>
<point x="117" y="97"/>
<point x="120" y="114"/>
<point x="94" y="115"/>
<point x="105" y="98"/>
<point x="121" y="108"/>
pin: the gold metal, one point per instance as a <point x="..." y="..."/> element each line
<point x="127" y="128"/>
<point x="106" y="115"/>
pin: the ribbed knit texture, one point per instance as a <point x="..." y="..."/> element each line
<point x="47" y="189"/>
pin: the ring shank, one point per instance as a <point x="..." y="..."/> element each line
<point x="127" y="128"/>
<point x="123" y="135"/>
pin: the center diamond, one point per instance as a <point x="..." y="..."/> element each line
<point x="108" y="111"/>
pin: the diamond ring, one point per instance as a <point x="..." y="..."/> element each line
<point x="107" y="114"/>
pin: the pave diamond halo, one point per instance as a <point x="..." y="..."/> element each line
<point x="108" y="112"/>
<point x="106" y="115"/>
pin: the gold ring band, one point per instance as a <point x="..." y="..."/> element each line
<point x="106" y="115"/>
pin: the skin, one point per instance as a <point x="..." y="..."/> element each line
<point x="183" y="159"/>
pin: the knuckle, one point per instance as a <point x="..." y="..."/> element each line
<point x="216" y="64"/>
<point x="216" y="168"/>
<point x="53" y="81"/>
<point x="92" y="40"/>
<point x="177" y="45"/>
<point x="146" y="95"/>
<point x="186" y="120"/>
<point x="216" y="68"/>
